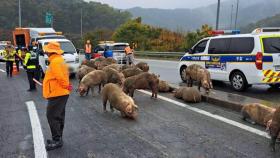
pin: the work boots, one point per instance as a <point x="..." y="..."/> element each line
<point x="54" y="144"/>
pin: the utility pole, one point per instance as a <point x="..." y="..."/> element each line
<point x="81" y="23"/>
<point x="19" y="13"/>
<point x="231" y="16"/>
<point x="218" y="15"/>
<point x="236" y="16"/>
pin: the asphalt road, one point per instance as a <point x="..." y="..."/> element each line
<point x="168" y="70"/>
<point x="163" y="129"/>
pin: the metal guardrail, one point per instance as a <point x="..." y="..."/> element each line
<point x="173" y="55"/>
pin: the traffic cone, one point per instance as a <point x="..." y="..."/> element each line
<point x="15" y="72"/>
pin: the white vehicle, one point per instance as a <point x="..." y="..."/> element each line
<point x="117" y="48"/>
<point x="70" y="54"/>
<point x="2" y="49"/>
<point x="243" y="59"/>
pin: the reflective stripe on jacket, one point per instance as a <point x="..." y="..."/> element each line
<point x="26" y="59"/>
<point x="56" y="81"/>
<point x="9" y="56"/>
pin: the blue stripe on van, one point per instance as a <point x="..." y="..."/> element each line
<point x="223" y="59"/>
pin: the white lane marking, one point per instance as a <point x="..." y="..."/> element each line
<point x="38" y="138"/>
<point x="217" y="117"/>
<point x="2" y="70"/>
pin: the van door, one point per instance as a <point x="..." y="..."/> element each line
<point x="218" y="48"/>
<point x="198" y="55"/>
<point x="271" y="46"/>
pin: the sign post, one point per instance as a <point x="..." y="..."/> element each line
<point x="49" y="18"/>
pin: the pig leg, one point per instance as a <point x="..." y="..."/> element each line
<point x="104" y="104"/>
<point x="273" y="138"/>
<point x="111" y="107"/>
<point x="131" y="92"/>
<point x="123" y="114"/>
<point x="199" y="85"/>
<point x="99" y="86"/>
<point x="92" y="91"/>
<point x="87" y="91"/>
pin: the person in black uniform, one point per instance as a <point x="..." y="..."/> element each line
<point x="31" y="63"/>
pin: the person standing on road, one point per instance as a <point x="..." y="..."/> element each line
<point x="88" y="48"/>
<point x="9" y="57"/>
<point x="31" y="63"/>
<point x="129" y="55"/>
<point x="56" y="89"/>
<point x="18" y="57"/>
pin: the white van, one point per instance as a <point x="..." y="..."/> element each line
<point x="243" y="59"/>
<point x="70" y="54"/>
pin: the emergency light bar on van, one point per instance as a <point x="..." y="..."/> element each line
<point x="223" y="32"/>
<point x="266" y="29"/>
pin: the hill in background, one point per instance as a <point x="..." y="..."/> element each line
<point x="66" y="13"/>
<point x="250" y="11"/>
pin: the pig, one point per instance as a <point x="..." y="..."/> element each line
<point x="274" y="128"/>
<point x="90" y="63"/>
<point x="257" y="113"/>
<point x="83" y="70"/>
<point x="92" y="79"/>
<point x="119" y="100"/>
<point x="165" y="87"/>
<point x="191" y="95"/>
<point x="113" y="76"/>
<point x="105" y="62"/>
<point x="143" y="66"/>
<point x="127" y="67"/>
<point x="198" y="73"/>
<point x="144" y="80"/>
<point x="179" y="93"/>
<point x="113" y="66"/>
<point x="131" y="72"/>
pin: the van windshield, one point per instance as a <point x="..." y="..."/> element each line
<point x="271" y="45"/>
<point x="119" y="47"/>
<point x="67" y="47"/>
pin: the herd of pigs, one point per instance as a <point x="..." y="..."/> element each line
<point x="118" y="83"/>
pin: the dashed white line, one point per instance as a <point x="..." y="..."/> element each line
<point x="217" y="117"/>
<point x="38" y="138"/>
<point x="2" y="70"/>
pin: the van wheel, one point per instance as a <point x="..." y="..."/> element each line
<point x="277" y="85"/>
<point x="238" y="81"/>
<point x="183" y="73"/>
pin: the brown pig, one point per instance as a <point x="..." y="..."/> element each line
<point x="106" y="62"/>
<point x="196" y="72"/>
<point x="144" y="80"/>
<point x="90" y="63"/>
<point x="179" y="93"/>
<point x="119" y="100"/>
<point x="191" y="95"/>
<point x="143" y="66"/>
<point x="131" y="72"/>
<point x="123" y="67"/>
<point x="113" y="66"/>
<point x="257" y="113"/>
<point x="82" y="71"/>
<point x="113" y="76"/>
<point x="92" y="79"/>
<point x="274" y="128"/>
<point x="163" y="86"/>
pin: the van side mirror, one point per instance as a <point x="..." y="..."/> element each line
<point x="190" y="51"/>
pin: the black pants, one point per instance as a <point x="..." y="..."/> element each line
<point x="17" y="63"/>
<point x="9" y="68"/>
<point x="56" y="115"/>
<point x="30" y="75"/>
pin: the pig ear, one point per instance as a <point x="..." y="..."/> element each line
<point x="129" y="109"/>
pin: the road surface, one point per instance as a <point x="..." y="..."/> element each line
<point x="166" y="127"/>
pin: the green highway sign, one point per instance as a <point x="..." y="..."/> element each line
<point x="49" y="18"/>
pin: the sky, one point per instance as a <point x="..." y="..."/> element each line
<point x="163" y="4"/>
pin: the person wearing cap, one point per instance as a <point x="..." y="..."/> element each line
<point x="88" y="48"/>
<point x="56" y="89"/>
<point x="9" y="57"/>
<point x="31" y="64"/>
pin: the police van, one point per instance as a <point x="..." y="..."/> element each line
<point x="241" y="59"/>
